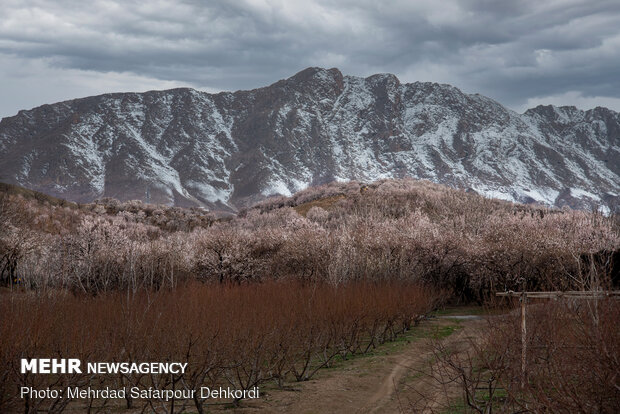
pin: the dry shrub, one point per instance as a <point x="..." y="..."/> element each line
<point x="573" y="357"/>
<point x="572" y="363"/>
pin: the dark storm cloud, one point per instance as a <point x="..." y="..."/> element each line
<point x="519" y="51"/>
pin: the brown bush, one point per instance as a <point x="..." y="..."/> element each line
<point x="573" y="357"/>
<point x="572" y="362"/>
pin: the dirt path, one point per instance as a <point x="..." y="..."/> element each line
<point x="389" y="382"/>
<point x="383" y="397"/>
<point x="402" y="389"/>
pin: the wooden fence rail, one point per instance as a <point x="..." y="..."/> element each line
<point x="578" y="294"/>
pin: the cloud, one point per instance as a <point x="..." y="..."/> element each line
<point x="512" y="51"/>
<point x="26" y="83"/>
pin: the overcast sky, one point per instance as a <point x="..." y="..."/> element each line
<point x="519" y="52"/>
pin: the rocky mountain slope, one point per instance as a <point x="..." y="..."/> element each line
<point x="225" y="150"/>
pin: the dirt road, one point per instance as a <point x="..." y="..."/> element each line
<point x="391" y="381"/>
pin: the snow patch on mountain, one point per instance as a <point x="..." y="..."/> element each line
<point x="314" y="127"/>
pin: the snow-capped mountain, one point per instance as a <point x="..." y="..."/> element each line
<point x="225" y="150"/>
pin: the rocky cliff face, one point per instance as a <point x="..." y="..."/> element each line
<point x="225" y="150"/>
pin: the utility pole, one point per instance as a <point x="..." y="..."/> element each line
<point x="523" y="341"/>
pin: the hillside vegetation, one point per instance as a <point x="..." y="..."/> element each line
<point x="403" y="230"/>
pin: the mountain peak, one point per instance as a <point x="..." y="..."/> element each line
<point x="383" y="78"/>
<point x="314" y="73"/>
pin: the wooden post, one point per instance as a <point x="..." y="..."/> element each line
<point x="571" y="294"/>
<point x="523" y="341"/>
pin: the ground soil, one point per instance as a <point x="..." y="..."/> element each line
<point x="391" y="381"/>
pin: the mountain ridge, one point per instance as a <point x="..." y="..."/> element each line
<point x="229" y="149"/>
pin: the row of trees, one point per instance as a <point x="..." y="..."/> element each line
<point x="229" y="335"/>
<point x="391" y="230"/>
